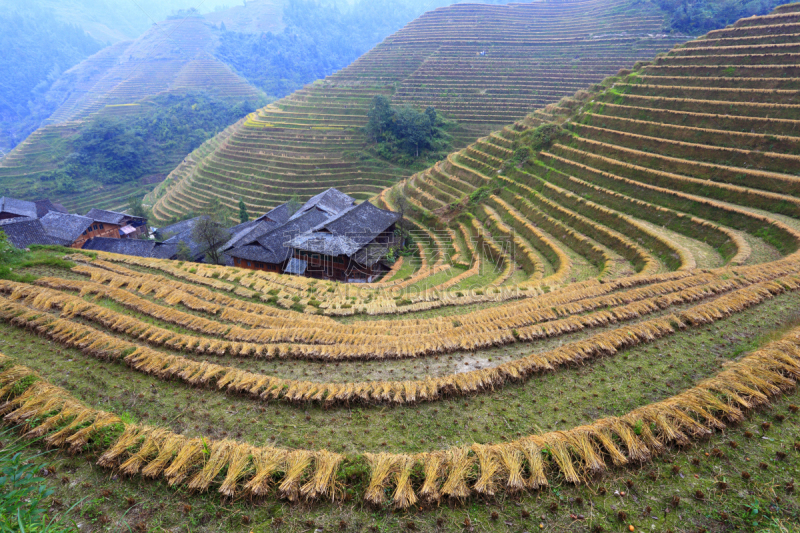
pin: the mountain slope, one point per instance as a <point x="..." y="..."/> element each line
<point x="690" y="161"/>
<point x="37" y="50"/>
<point x="541" y="383"/>
<point x="480" y="65"/>
<point x="122" y="82"/>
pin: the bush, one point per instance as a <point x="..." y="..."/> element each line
<point x="23" y="491"/>
<point x="544" y="136"/>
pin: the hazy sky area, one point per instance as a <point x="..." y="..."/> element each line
<point x="113" y="20"/>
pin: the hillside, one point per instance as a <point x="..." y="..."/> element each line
<point x="600" y="334"/>
<point x="254" y="16"/>
<point x="533" y="54"/>
<point x="118" y="84"/>
<point x="37" y="50"/>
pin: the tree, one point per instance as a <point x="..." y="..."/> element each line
<point x="413" y="128"/>
<point x="184" y="252"/>
<point x="430" y="112"/>
<point x="243" y="216"/>
<point x="405" y="128"/>
<point x="209" y="234"/>
<point x="136" y="208"/>
<point x="294" y="204"/>
<point x="209" y="230"/>
<point x="380" y="116"/>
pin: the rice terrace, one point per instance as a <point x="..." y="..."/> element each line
<point x="584" y="317"/>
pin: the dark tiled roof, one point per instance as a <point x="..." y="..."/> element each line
<point x="278" y="214"/>
<point x="65" y="226"/>
<point x="243" y="226"/>
<point x="21" y="208"/>
<point x="14" y="220"/>
<point x="45" y="206"/>
<point x="106" y="217"/>
<point x="249" y="232"/>
<point x="331" y="201"/>
<point x="182" y="232"/>
<point x="363" y="223"/>
<point x="348" y="232"/>
<point x="254" y="252"/>
<point x="163" y="250"/>
<point x="174" y="230"/>
<point x="23" y="232"/>
<point x="272" y="247"/>
<point x="325" y="243"/>
<point x="135" y="247"/>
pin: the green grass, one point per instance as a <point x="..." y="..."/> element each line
<point x="26" y="267"/>
<point x="153" y="506"/>
<point x="556" y="400"/>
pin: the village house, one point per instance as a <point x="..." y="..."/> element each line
<point x="134" y="247"/>
<point x="54" y="228"/>
<point x="14" y="208"/>
<point x="72" y="229"/>
<point x="45" y="206"/>
<point x="351" y="246"/>
<point x="45" y="222"/>
<point x="183" y="233"/>
<point x="23" y="232"/>
<point x="328" y="237"/>
<point x="127" y="226"/>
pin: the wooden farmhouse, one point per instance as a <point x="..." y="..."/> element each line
<point x="329" y="237"/>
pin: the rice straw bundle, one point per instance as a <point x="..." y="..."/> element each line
<point x="149" y="450"/>
<point x="130" y="436"/>
<point x="216" y="458"/>
<point x="404" y="496"/>
<point x="167" y="445"/>
<point x="296" y="463"/>
<point x="266" y="461"/>
<point x="239" y="463"/>
<point x="382" y="466"/>
<point x="459" y="465"/>
<point x="433" y="468"/>
<point x="490" y="468"/>
<point x="323" y="481"/>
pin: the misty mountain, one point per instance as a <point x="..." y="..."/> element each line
<point x="36" y="50"/>
<point x="109" y="21"/>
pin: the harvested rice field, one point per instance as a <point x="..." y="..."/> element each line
<point x="610" y="343"/>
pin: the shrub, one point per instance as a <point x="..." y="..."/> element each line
<point x="23" y="491"/>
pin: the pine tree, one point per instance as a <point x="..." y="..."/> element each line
<point x="243" y="216"/>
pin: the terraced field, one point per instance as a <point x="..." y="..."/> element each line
<point x="174" y="56"/>
<point x="601" y="333"/>
<point x="483" y="66"/>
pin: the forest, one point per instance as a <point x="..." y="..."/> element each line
<point x="403" y="134"/>
<point x="36" y="50"/>
<point x="111" y="151"/>
<point x="695" y="17"/>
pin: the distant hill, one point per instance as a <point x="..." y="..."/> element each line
<point x="122" y="84"/>
<point x="110" y="21"/>
<point x="230" y="54"/>
<point x="482" y="66"/>
<point x="36" y="49"/>
<point x="255" y="17"/>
